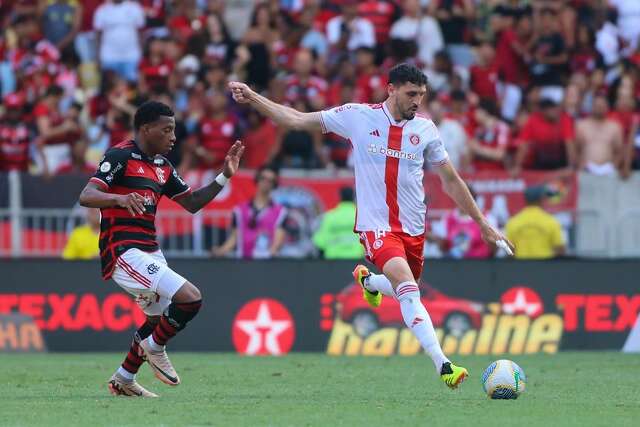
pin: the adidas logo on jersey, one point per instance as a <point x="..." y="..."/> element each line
<point x="374" y="133"/>
<point x="140" y="170"/>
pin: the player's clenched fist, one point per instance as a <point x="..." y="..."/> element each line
<point x="133" y="202"/>
<point x="241" y="92"/>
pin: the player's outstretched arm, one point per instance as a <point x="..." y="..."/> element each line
<point x="199" y="198"/>
<point x="282" y="115"/>
<point x="458" y="191"/>
<point x="93" y="196"/>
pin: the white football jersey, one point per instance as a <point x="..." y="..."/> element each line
<point x="388" y="159"/>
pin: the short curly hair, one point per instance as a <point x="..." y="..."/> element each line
<point x="403" y="73"/>
<point x="149" y="112"/>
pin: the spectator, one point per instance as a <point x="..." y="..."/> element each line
<point x="118" y="23"/>
<point x="599" y="140"/>
<point x="535" y="233"/>
<point x="303" y="85"/>
<point x="381" y="14"/>
<point x="258" y="45"/>
<point x="215" y="134"/>
<point x="628" y="20"/>
<point x="371" y="85"/>
<point x="546" y="141"/>
<point x="57" y="133"/>
<point x="512" y="54"/>
<point x="83" y="240"/>
<point x="549" y="57"/>
<point x="61" y="21"/>
<point x="490" y="139"/>
<point x="463" y="236"/>
<point x="455" y="18"/>
<point x="155" y="68"/>
<point x="423" y="29"/>
<point x="258" y="140"/>
<point x="85" y="41"/>
<point x="484" y="74"/>
<point x="350" y="31"/>
<point x="15" y="135"/>
<point x="78" y="162"/>
<point x="312" y="38"/>
<point x="335" y="236"/>
<point x="452" y="134"/>
<point x="257" y="229"/>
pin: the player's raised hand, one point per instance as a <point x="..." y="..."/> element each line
<point x="232" y="160"/>
<point x="240" y="92"/>
<point x="496" y="238"/>
<point x="133" y="202"/>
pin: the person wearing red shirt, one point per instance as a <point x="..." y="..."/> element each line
<point x="512" y="57"/>
<point x="57" y="133"/>
<point x="259" y="140"/>
<point x="15" y="135"/>
<point x="155" y="67"/>
<point x="381" y="13"/>
<point x="302" y="85"/>
<point x="371" y="85"/>
<point x="546" y="141"/>
<point x="490" y="139"/>
<point x="216" y="133"/>
<point x="484" y="74"/>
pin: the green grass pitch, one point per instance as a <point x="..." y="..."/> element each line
<point x="568" y="389"/>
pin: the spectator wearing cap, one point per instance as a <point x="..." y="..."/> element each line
<point x="535" y="233"/>
<point x="118" y="24"/>
<point x="423" y="29"/>
<point x="490" y="139"/>
<point x="349" y="31"/>
<point x="335" y="237"/>
<point x="599" y="140"/>
<point x="546" y="141"/>
<point x="15" y="135"/>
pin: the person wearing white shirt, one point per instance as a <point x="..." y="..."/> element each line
<point x="424" y="30"/>
<point x="452" y="134"/>
<point x="349" y="30"/>
<point x="117" y="23"/>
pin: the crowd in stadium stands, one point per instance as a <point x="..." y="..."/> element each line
<point x="516" y="84"/>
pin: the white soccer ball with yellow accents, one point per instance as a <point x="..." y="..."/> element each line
<point x="503" y="379"/>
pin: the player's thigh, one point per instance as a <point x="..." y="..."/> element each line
<point x="150" y="270"/>
<point x="414" y="247"/>
<point x="398" y="271"/>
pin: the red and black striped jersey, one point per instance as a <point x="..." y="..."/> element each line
<point x="14" y="146"/>
<point x="126" y="169"/>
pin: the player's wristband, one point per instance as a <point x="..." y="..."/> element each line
<point x="221" y="179"/>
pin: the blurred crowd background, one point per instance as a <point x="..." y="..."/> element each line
<point x="515" y="85"/>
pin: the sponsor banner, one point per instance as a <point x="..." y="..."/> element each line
<point x="20" y="334"/>
<point x="274" y="307"/>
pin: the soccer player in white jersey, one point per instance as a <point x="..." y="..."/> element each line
<point x="390" y="144"/>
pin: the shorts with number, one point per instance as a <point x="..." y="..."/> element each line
<point x="380" y="247"/>
<point x="147" y="277"/>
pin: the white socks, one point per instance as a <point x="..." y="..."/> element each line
<point x="126" y="374"/>
<point x="379" y="283"/>
<point x="154" y="345"/>
<point x="418" y="321"/>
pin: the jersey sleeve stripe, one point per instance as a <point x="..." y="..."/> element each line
<point x="322" y="125"/>
<point x="180" y="195"/>
<point x="100" y="182"/>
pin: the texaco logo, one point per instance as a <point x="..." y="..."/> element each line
<point x="263" y="326"/>
<point x="522" y="300"/>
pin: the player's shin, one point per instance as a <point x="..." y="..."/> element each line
<point x="134" y="360"/>
<point x="173" y="320"/>
<point x="417" y="319"/>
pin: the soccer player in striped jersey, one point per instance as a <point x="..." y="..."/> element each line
<point x="131" y="179"/>
<point x="390" y="144"/>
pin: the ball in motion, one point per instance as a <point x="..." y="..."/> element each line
<point x="503" y="379"/>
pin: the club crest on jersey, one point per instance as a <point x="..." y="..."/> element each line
<point x="160" y="175"/>
<point x="105" y="167"/>
<point x="377" y="244"/>
<point x="152" y="268"/>
<point x="414" y="139"/>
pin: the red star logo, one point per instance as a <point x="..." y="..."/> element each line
<point x="263" y="326"/>
<point x="522" y="300"/>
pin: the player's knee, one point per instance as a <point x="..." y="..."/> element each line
<point x="408" y="291"/>
<point x="188" y="292"/>
<point x="180" y="313"/>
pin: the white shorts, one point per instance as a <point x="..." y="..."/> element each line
<point x="147" y="277"/>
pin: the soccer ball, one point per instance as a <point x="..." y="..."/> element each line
<point x="503" y="379"/>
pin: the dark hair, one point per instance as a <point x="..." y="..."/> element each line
<point x="346" y="194"/>
<point x="54" y="90"/>
<point x="489" y="106"/>
<point x="267" y="167"/>
<point x="547" y="103"/>
<point x="149" y="112"/>
<point x="403" y="73"/>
